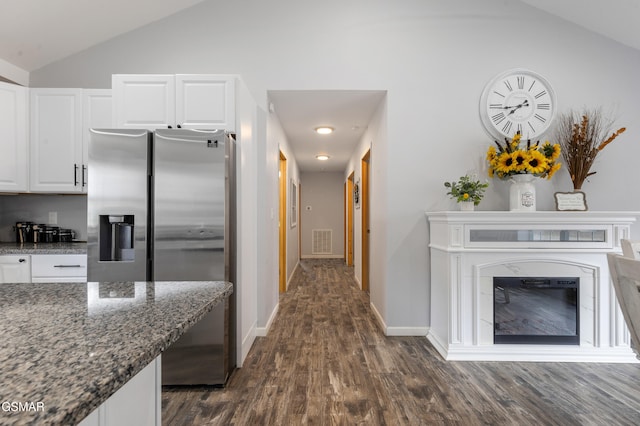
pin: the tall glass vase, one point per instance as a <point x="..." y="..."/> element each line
<point x="522" y="193"/>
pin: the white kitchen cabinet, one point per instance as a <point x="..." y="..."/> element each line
<point x="14" y="140"/>
<point x="56" y="140"/>
<point x="61" y="268"/>
<point x="97" y="113"/>
<point x="138" y="402"/>
<point x="195" y="101"/>
<point x="15" y="269"/>
<point x="143" y="101"/>
<point x="205" y="101"/>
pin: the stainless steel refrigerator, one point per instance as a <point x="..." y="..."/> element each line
<point x="161" y="207"/>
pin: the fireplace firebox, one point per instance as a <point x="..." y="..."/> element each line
<point x="536" y="310"/>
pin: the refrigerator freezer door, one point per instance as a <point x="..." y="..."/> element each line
<point x="117" y="205"/>
<point x="189" y="244"/>
<point x="189" y="208"/>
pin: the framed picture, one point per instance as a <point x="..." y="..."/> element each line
<point x="294" y="204"/>
<point x="356" y="194"/>
<point x="571" y="201"/>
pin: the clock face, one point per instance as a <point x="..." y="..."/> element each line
<point x="517" y="100"/>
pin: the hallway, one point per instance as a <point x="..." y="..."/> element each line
<point x="325" y="361"/>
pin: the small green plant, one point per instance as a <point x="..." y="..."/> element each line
<point x="467" y="189"/>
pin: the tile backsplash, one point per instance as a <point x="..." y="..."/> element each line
<point x="71" y="212"/>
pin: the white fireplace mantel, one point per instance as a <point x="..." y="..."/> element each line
<point x="468" y="249"/>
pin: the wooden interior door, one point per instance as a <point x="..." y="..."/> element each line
<point x="364" y="206"/>
<point x="282" y="224"/>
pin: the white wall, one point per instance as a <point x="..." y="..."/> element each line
<point x="375" y="140"/>
<point x="279" y="143"/>
<point x="248" y="118"/>
<point x="433" y="58"/>
<point x="322" y="192"/>
<point x="267" y="172"/>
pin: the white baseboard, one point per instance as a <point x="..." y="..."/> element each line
<point x="292" y="274"/>
<point x="379" y="319"/>
<point x="262" y="331"/>
<point x="407" y="331"/>
<point x="246" y="344"/>
<point x="397" y="331"/>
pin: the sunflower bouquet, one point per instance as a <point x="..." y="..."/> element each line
<point x="509" y="158"/>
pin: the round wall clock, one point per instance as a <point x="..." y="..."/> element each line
<point x="517" y="100"/>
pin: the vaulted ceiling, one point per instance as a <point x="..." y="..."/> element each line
<point x="34" y="33"/>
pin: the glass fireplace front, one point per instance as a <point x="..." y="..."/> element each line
<point x="536" y="310"/>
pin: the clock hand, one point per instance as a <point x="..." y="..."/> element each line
<point x="517" y="107"/>
<point x="525" y="103"/>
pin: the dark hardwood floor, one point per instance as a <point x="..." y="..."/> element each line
<point x="326" y="362"/>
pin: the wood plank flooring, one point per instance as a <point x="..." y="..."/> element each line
<point x="326" y="362"/>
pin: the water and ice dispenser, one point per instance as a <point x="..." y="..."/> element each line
<point x="117" y="238"/>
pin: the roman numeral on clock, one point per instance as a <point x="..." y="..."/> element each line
<point x="541" y="94"/>
<point x="521" y="82"/>
<point x="543" y="106"/>
<point x="507" y="127"/>
<point x="495" y="106"/>
<point x="498" y="118"/>
<point x="541" y="118"/>
<point x="506" y="83"/>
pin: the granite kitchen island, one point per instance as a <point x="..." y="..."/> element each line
<point x="68" y="347"/>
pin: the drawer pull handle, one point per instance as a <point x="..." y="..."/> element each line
<point x="67" y="266"/>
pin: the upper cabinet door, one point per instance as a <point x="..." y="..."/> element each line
<point x="143" y="101"/>
<point x="97" y="113"/>
<point x="56" y="140"/>
<point x="205" y="101"/>
<point x="14" y="145"/>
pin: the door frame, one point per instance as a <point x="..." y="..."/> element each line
<point x="364" y="209"/>
<point x="282" y="224"/>
<point x="348" y="220"/>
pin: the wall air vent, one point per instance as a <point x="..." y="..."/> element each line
<point x="321" y="241"/>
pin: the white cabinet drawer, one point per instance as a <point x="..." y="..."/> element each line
<point x="15" y="269"/>
<point x="59" y="265"/>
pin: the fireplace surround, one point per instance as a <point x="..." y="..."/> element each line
<point x="469" y="250"/>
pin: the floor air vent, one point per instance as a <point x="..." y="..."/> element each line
<point x="321" y="240"/>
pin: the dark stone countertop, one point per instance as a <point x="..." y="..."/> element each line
<point x="43" y="248"/>
<point x="70" y="346"/>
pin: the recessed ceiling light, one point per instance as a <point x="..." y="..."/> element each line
<point x="322" y="157"/>
<point x="324" y="130"/>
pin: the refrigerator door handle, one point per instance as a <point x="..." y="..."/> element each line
<point x="128" y="135"/>
<point x="179" y="139"/>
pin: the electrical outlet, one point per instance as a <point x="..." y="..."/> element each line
<point x="53" y="218"/>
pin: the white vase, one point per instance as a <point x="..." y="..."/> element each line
<point x="522" y="193"/>
<point x="466" y="206"/>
